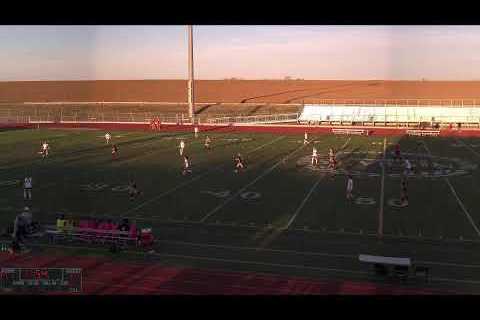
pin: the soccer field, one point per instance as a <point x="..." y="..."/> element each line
<point x="279" y="188"/>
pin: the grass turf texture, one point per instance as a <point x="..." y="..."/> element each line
<point x="271" y="191"/>
<point x="310" y="201"/>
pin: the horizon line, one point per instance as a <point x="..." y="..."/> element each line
<point x="246" y="79"/>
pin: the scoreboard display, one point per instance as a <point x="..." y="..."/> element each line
<point x="40" y="280"/>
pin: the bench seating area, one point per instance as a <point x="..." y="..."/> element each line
<point x="91" y="235"/>
<point x="393" y="267"/>
<point x="423" y="133"/>
<point x="91" y="232"/>
<point x="349" y="131"/>
<point x="388" y="114"/>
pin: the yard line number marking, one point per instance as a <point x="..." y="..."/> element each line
<point x="193" y="180"/>
<point x="258" y="178"/>
<point x="248" y="195"/>
<point x="304" y="201"/>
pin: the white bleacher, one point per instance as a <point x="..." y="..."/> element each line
<point x="391" y="114"/>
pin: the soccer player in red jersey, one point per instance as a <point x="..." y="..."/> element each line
<point x="114" y="151"/>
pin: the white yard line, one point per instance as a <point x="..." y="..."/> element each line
<point x="258" y="178"/>
<point x="304" y="201"/>
<point x="188" y="182"/>
<point x="163" y="194"/>
<point x="266" y="144"/>
<point x="469" y="148"/>
<point x="382" y="190"/>
<point x="459" y="201"/>
<point x="463" y="207"/>
<point x="302" y="204"/>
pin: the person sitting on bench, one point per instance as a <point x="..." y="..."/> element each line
<point x="124" y="225"/>
<point x="61" y="222"/>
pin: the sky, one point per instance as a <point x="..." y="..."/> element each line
<point x="247" y="52"/>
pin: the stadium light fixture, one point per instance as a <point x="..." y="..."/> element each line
<point x="191" y="84"/>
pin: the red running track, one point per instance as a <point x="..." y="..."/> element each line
<point x="102" y="276"/>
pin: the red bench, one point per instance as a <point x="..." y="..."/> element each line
<point x="143" y="238"/>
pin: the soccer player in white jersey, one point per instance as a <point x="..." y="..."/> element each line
<point x="27" y="188"/>
<point x="196" y="132"/>
<point x="207" y="142"/>
<point x="349" y="187"/>
<point x="186" y="165"/>
<point x="45" y="148"/>
<point x="314" y="157"/>
<point x="331" y="159"/>
<point x="408" y="167"/>
<point x="305" y="138"/>
<point x="108" y="137"/>
<point x="181" y="147"/>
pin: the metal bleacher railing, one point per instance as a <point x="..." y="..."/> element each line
<point x="14" y="116"/>
<point x="258" y="119"/>
<point x="399" y="112"/>
<point x="402" y="115"/>
<point x="397" y="102"/>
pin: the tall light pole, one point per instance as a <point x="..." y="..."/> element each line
<point x="191" y="87"/>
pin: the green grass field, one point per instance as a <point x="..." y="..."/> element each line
<point x="279" y="188"/>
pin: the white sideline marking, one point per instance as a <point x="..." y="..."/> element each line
<point x="236" y="194"/>
<point x="459" y="201"/>
<point x="225" y="260"/>
<point x="382" y="190"/>
<point x="195" y="244"/>
<point x="304" y="201"/>
<point x="310" y="253"/>
<point x="191" y="181"/>
<point x="264" y="264"/>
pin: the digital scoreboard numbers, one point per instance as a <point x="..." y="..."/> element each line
<point x="40" y="280"/>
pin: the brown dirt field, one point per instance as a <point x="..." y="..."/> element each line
<point x="235" y="91"/>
